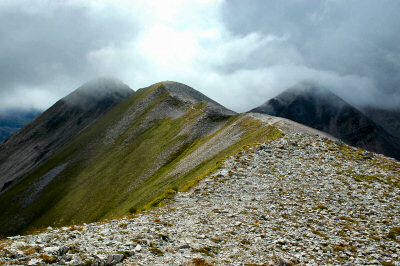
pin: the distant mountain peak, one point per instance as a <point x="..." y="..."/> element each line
<point x="312" y="91"/>
<point x="55" y="127"/>
<point x="308" y="86"/>
<point x="103" y="83"/>
<point x="319" y="108"/>
<point x="97" y="89"/>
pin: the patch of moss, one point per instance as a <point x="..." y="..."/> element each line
<point x="156" y="251"/>
<point x="245" y="242"/>
<point x="320" y="207"/>
<point x="48" y="258"/>
<point x="200" y="262"/>
<point x="366" y="178"/>
<point x="319" y="233"/>
<point x="387" y="263"/>
<point x="206" y="250"/>
<point x="166" y="195"/>
<point x="394" y="232"/>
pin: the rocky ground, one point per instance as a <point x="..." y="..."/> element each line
<point x="301" y="199"/>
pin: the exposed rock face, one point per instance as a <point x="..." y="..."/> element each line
<point x="185" y="93"/>
<point x="321" y="109"/>
<point x="51" y="130"/>
<point x="300" y="199"/>
<point x="389" y="119"/>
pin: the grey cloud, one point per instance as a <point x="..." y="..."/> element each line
<point x="43" y="40"/>
<point x="49" y="47"/>
<point x="348" y="38"/>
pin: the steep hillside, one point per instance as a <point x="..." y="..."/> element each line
<point x="12" y="120"/>
<point x="389" y="119"/>
<point x="163" y="138"/>
<point x="301" y="199"/>
<point x="321" y="109"/>
<point x="54" y="128"/>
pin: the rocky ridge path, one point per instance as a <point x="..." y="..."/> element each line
<point x="300" y="199"/>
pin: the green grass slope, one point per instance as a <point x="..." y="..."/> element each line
<point x="50" y="131"/>
<point x="158" y="141"/>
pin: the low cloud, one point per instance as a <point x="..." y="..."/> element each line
<point x="239" y="54"/>
<point x="44" y="46"/>
<point x="349" y="46"/>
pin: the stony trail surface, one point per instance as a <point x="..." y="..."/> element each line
<point x="301" y="199"/>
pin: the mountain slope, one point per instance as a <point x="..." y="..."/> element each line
<point x="297" y="200"/>
<point x="54" y="128"/>
<point x="321" y="109"/>
<point x="388" y="119"/>
<point x="12" y="120"/>
<point x="161" y="139"/>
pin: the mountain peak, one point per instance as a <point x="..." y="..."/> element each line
<point x="180" y="89"/>
<point x="187" y="93"/>
<point x="55" y="127"/>
<point x="317" y="107"/>
<point x="98" y="89"/>
<point x="311" y="91"/>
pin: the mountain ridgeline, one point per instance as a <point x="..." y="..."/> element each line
<point x="105" y="151"/>
<point x="117" y="153"/>
<point x="306" y="196"/>
<point x="319" y="108"/>
<point x="53" y="129"/>
<point x="389" y="119"/>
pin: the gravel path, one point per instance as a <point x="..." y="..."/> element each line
<point x="301" y="199"/>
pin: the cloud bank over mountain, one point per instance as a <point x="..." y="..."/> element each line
<point x="238" y="53"/>
<point x="351" y="46"/>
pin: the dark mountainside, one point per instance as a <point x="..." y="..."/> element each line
<point x="319" y="108"/>
<point x="388" y="119"/>
<point x="12" y="120"/>
<point x="161" y="139"/>
<point x="50" y="131"/>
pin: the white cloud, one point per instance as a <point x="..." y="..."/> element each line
<point x="189" y="44"/>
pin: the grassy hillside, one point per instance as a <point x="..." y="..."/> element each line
<point x="146" y="148"/>
<point x="56" y="127"/>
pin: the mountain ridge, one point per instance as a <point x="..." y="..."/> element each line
<point x="296" y="199"/>
<point x="51" y="130"/>
<point x="157" y="141"/>
<point x="389" y="119"/>
<point x="151" y="143"/>
<point x="308" y="104"/>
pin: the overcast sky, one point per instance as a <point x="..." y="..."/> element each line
<point x="240" y="53"/>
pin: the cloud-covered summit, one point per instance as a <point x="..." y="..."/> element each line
<point x="331" y="41"/>
<point x="239" y="53"/>
<point x="45" y="46"/>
